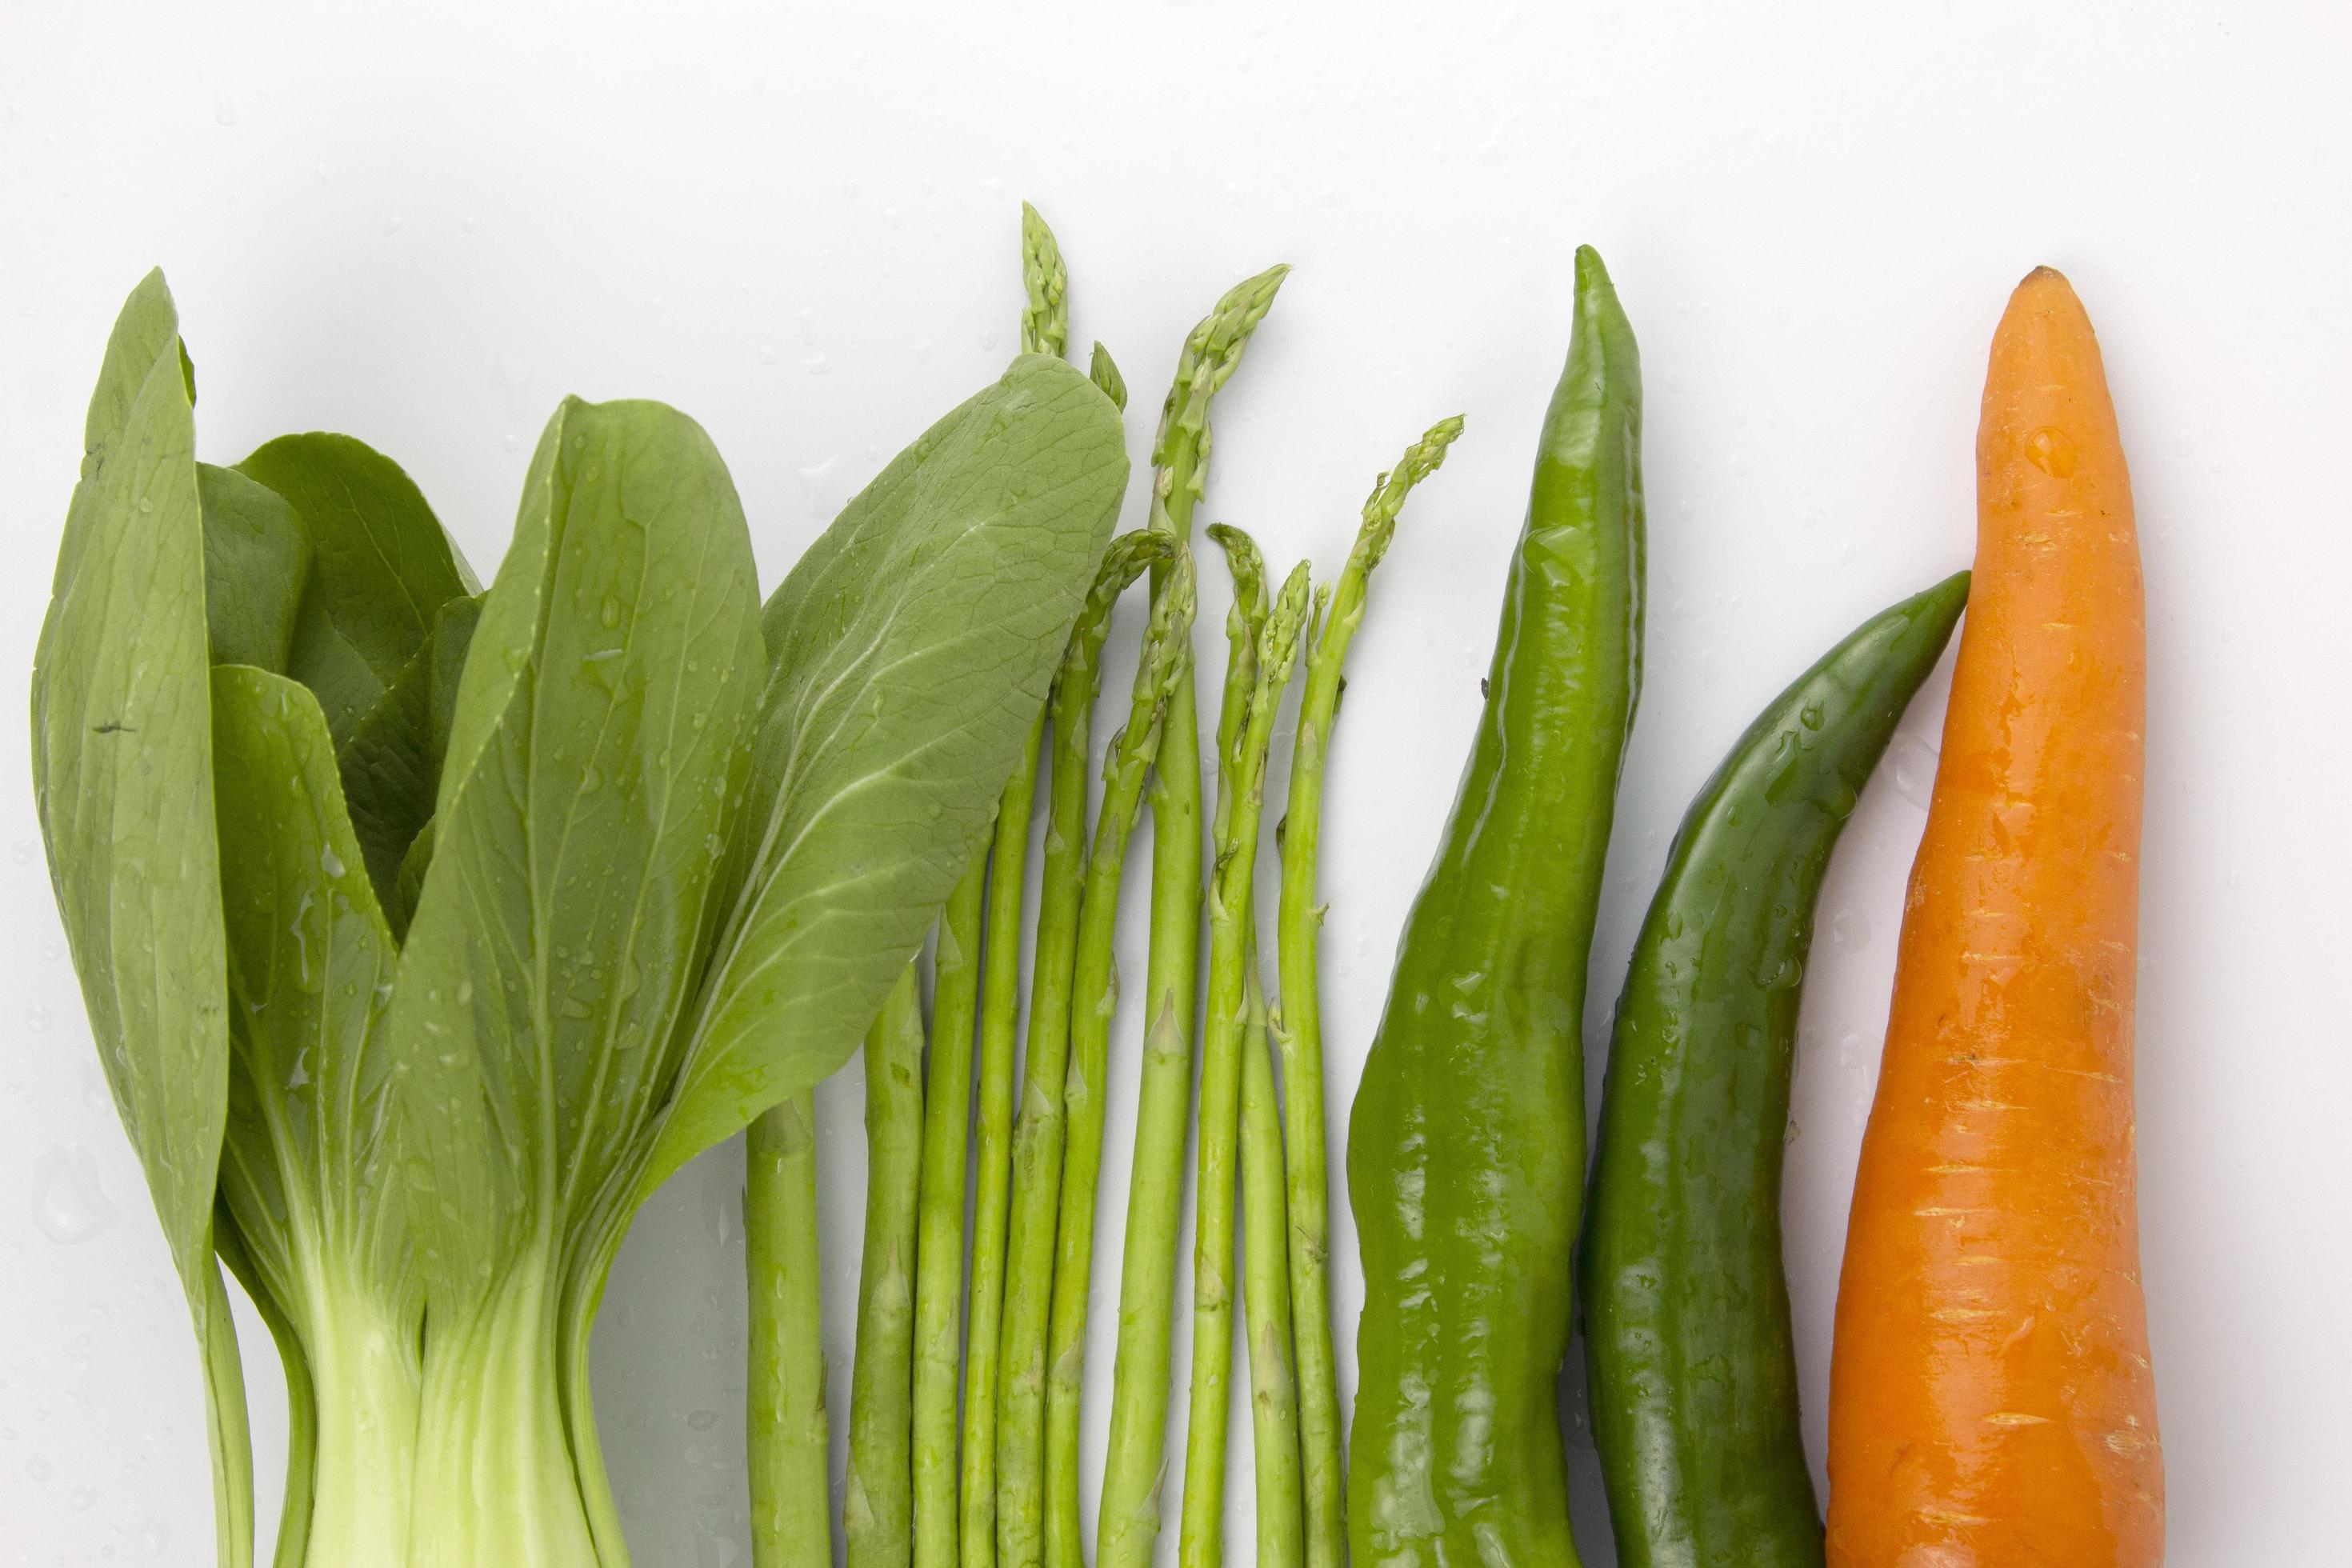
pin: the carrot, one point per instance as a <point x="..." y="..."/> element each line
<point x="1991" y="1404"/>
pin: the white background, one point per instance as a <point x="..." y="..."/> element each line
<point x="799" y="224"/>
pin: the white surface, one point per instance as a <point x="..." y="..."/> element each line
<point x="802" y="230"/>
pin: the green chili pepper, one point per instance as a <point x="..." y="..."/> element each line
<point x="1466" y="1148"/>
<point x="1693" y="1370"/>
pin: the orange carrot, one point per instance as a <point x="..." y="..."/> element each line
<point x="1991" y="1399"/>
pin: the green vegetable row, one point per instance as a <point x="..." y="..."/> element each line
<point x="1466" y="1159"/>
<point x="426" y="928"/>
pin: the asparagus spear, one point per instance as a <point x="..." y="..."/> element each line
<point x="1201" y="1542"/>
<point x="992" y="1192"/>
<point x="1265" y="1288"/>
<point x="877" y="1512"/>
<point x="1102" y="372"/>
<point x="1044" y="328"/>
<point x="1094" y="1003"/>
<point x="1265" y="1292"/>
<point x="1130" y="1526"/>
<point x="785" y="1437"/>
<point x="1045" y="320"/>
<point x="939" y="1242"/>
<point x="1297" y="1023"/>
<point x="1037" y="1135"/>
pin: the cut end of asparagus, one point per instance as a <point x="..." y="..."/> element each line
<point x="1045" y="320"/>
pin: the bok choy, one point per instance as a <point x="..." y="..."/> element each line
<point x="425" y="930"/>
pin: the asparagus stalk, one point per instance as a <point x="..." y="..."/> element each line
<point x="786" y="1438"/>
<point x="1130" y="1524"/>
<point x="1038" y="1134"/>
<point x="1094" y="1003"/>
<point x="1044" y="329"/>
<point x="1265" y="1292"/>
<point x="939" y="1242"/>
<point x="877" y="1507"/>
<point x="992" y="1164"/>
<point x="1201" y="1542"/>
<point x="1298" y="1024"/>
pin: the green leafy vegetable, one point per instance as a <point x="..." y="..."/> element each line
<point x="391" y="762"/>
<point x="122" y="780"/>
<point x="382" y="568"/>
<point x="662" y="866"/>
<point x="256" y="564"/>
<point x="309" y="1170"/>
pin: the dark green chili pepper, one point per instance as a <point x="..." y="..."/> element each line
<point x="1466" y="1148"/>
<point x="1693" y="1372"/>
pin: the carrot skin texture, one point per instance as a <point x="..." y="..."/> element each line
<point x="1991" y="1399"/>
<point x="1687" y="1327"/>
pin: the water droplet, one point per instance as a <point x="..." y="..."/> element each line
<point x="329" y="861"/>
<point x="1851" y="1045"/>
<point x="155" y="1537"/>
<point x="2049" y="450"/>
<point x="80" y="1499"/>
<point x="703" y="1420"/>
<point x="36" y="1020"/>
<point x="464" y="992"/>
<point x="223" y="109"/>
<point x="592" y="780"/>
<point x="1914" y="766"/>
<point x="611" y="613"/>
<point x="1849" y="931"/>
<point x="392" y="225"/>
<point x="511" y="442"/>
<point x="1810" y="715"/>
<point x="68" y="1201"/>
<point x="2236" y="879"/>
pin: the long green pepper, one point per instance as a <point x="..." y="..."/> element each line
<point x="1129" y="1527"/>
<point x="1298" y="1022"/>
<point x="1692" y="1363"/>
<point x="1466" y="1147"/>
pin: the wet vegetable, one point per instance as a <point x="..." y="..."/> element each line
<point x="1465" y="1145"/>
<point x="1693" y="1366"/>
